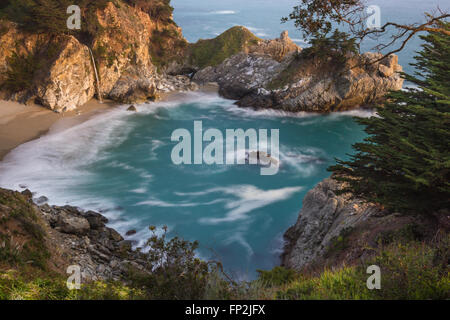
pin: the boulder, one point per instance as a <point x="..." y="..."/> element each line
<point x="41" y="200"/>
<point x="68" y="223"/>
<point x="96" y="220"/>
<point x="70" y="80"/>
<point x="130" y="232"/>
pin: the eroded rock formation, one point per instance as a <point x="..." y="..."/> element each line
<point x="62" y="75"/>
<point x="264" y="78"/>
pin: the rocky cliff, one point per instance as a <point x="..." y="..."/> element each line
<point x="274" y="74"/>
<point x="140" y="52"/>
<point x="126" y="42"/>
<point x="63" y="236"/>
<point x="335" y="228"/>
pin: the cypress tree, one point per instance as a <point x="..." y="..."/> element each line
<point x="404" y="163"/>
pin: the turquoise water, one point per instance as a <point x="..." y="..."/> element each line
<point x="119" y="162"/>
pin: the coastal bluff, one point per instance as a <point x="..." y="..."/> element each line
<point x="138" y="55"/>
<point x="335" y="229"/>
<point x="275" y="74"/>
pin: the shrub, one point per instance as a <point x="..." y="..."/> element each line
<point x="175" y="271"/>
<point x="404" y="163"/>
<point x="21" y="71"/>
<point x="276" y="277"/>
<point x="408" y="271"/>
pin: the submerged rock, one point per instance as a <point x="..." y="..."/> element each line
<point x="130" y="232"/>
<point x="41" y="200"/>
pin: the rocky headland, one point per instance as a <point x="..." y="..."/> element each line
<point x="123" y="46"/>
<point x="139" y="55"/>
<point x="334" y="229"/>
<point x="276" y="75"/>
<point x="64" y="236"/>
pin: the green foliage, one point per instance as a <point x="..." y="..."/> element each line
<point x="38" y="16"/>
<point x="49" y="16"/>
<point x="24" y="67"/>
<point x="157" y="9"/>
<point x="20" y="72"/>
<point x="410" y="232"/>
<point x="176" y="272"/>
<point x="4" y="27"/>
<point x="339" y="243"/>
<point x="101" y="53"/>
<point x="22" y="238"/>
<point x="276" y="277"/>
<point x="408" y="271"/>
<point x="166" y="45"/>
<point x="314" y="17"/>
<point x="404" y="164"/>
<point x="414" y="271"/>
<point x="336" y="47"/>
<point x="22" y="286"/>
<point x="214" y="51"/>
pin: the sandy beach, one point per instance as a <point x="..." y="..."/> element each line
<point x="21" y="123"/>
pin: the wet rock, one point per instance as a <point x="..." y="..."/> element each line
<point x="96" y="220"/>
<point x="132" y="108"/>
<point x="130" y="232"/>
<point x="113" y="235"/>
<point x="41" y="200"/>
<point x="27" y="193"/>
<point x="125" y="245"/>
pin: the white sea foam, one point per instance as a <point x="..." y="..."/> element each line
<point x="247" y="198"/>
<point x="223" y="12"/>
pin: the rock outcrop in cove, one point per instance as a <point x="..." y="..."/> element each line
<point x="323" y="217"/>
<point x="276" y="75"/>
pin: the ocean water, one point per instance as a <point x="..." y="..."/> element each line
<point x="119" y="162"/>
<point x="203" y="19"/>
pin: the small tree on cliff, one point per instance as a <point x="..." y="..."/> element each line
<point x="404" y="164"/>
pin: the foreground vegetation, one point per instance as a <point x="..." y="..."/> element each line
<point x="409" y="271"/>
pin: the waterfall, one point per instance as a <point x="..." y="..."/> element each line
<point x="96" y="76"/>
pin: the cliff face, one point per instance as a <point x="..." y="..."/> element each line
<point x="60" y="69"/>
<point x="272" y="74"/>
<point x="337" y="229"/>
<point x="139" y="52"/>
<point x="324" y="216"/>
<point x="53" y="238"/>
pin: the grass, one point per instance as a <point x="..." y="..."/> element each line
<point x="22" y="238"/>
<point x="410" y="269"/>
<point x="212" y="52"/>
